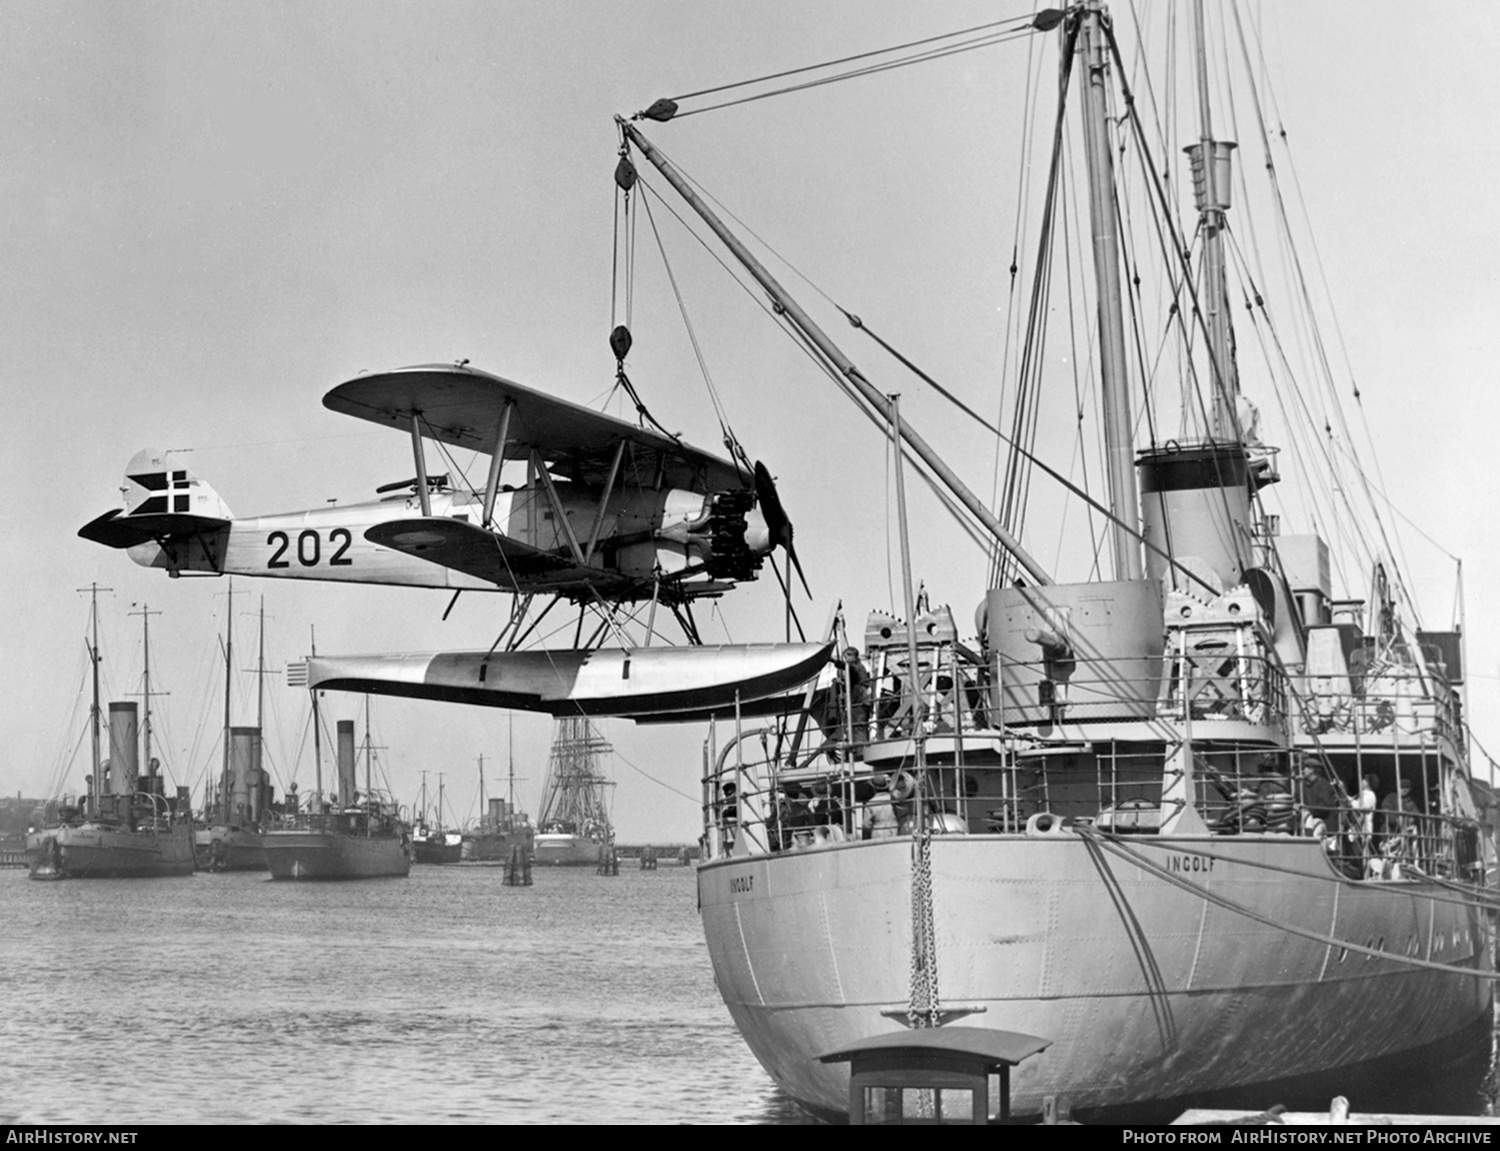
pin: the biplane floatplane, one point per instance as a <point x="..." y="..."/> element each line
<point x="611" y="516"/>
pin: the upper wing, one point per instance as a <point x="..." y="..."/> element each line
<point x="462" y="406"/>
<point x="489" y="556"/>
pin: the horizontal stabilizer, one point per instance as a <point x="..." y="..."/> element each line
<point x="696" y="681"/>
<point x="486" y="555"/>
<point x="116" y="530"/>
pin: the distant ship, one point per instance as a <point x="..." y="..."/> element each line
<point x="502" y="825"/>
<point x="575" y="826"/>
<point x="125" y="826"/>
<point x="237" y="812"/>
<point x="361" y="837"/>
<point x="431" y="842"/>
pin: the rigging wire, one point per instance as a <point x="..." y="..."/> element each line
<point x="713" y="395"/>
<point x="695" y="800"/>
<point x="1026" y="26"/>
<point x="1114" y="846"/>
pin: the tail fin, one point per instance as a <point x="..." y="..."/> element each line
<point x="155" y="487"/>
<point x="171" y="518"/>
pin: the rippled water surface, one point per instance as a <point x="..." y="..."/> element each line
<point x="444" y="997"/>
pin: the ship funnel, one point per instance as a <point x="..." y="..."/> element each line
<point x="1195" y="501"/>
<point x="124" y="748"/>
<point x="245" y="773"/>
<point x="346" y="762"/>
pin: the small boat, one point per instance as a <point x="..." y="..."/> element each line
<point x="125" y="826"/>
<point x="575" y="824"/>
<point x="237" y="813"/>
<point x="503" y="827"/>
<point x="362" y="837"/>
<point x="430" y="841"/>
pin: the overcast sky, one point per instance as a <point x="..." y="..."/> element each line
<point x="213" y="213"/>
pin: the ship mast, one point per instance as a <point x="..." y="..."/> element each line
<point x="1210" y="160"/>
<point x="260" y="674"/>
<point x="317" y="735"/>
<point x="96" y="784"/>
<point x="1118" y="439"/>
<point x="146" y="613"/>
<point x="369" y="756"/>
<point x="228" y="682"/>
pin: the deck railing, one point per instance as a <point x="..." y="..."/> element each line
<point x="756" y="802"/>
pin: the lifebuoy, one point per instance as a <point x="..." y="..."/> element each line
<point x="903" y="787"/>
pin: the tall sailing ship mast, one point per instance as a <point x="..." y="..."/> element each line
<point x="574" y="826"/>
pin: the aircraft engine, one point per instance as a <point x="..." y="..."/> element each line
<point x="731" y="552"/>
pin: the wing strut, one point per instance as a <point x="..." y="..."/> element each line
<point x="492" y="484"/>
<point x="557" y="509"/>
<point x="423" y="496"/>
<point x="609" y="490"/>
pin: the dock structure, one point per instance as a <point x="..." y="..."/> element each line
<point x="518" y="868"/>
<point x="609" y="860"/>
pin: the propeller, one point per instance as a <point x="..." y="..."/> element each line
<point x="778" y="523"/>
<point x="434" y="483"/>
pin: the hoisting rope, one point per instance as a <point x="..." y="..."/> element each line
<point x="1114" y="846"/>
<point x="627" y="178"/>
<point x="619" y="337"/>
<point x="1015" y="26"/>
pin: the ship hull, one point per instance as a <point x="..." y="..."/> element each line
<point x="1155" y="997"/>
<point x="222" y="849"/>
<point x="316" y="855"/>
<point x="435" y="851"/>
<point x="95" y="852"/>
<point x="496" y="847"/>
<point x="567" y="851"/>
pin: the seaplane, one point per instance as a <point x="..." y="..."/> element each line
<point x="618" y="519"/>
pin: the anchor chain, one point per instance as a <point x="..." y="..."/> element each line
<point x="922" y="1003"/>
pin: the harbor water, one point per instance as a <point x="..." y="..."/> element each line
<point x="445" y="997"/>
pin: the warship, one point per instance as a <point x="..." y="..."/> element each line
<point x="352" y="836"/>
<point x="124" y="825"/>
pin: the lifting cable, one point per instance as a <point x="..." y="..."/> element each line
<point x="1112" y="845"/>
<point x="731" y="441"/>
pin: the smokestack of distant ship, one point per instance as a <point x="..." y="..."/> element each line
<point x="346" y="762"/>
<point x="124" y="749"/>
<point x="245" y="773"/>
